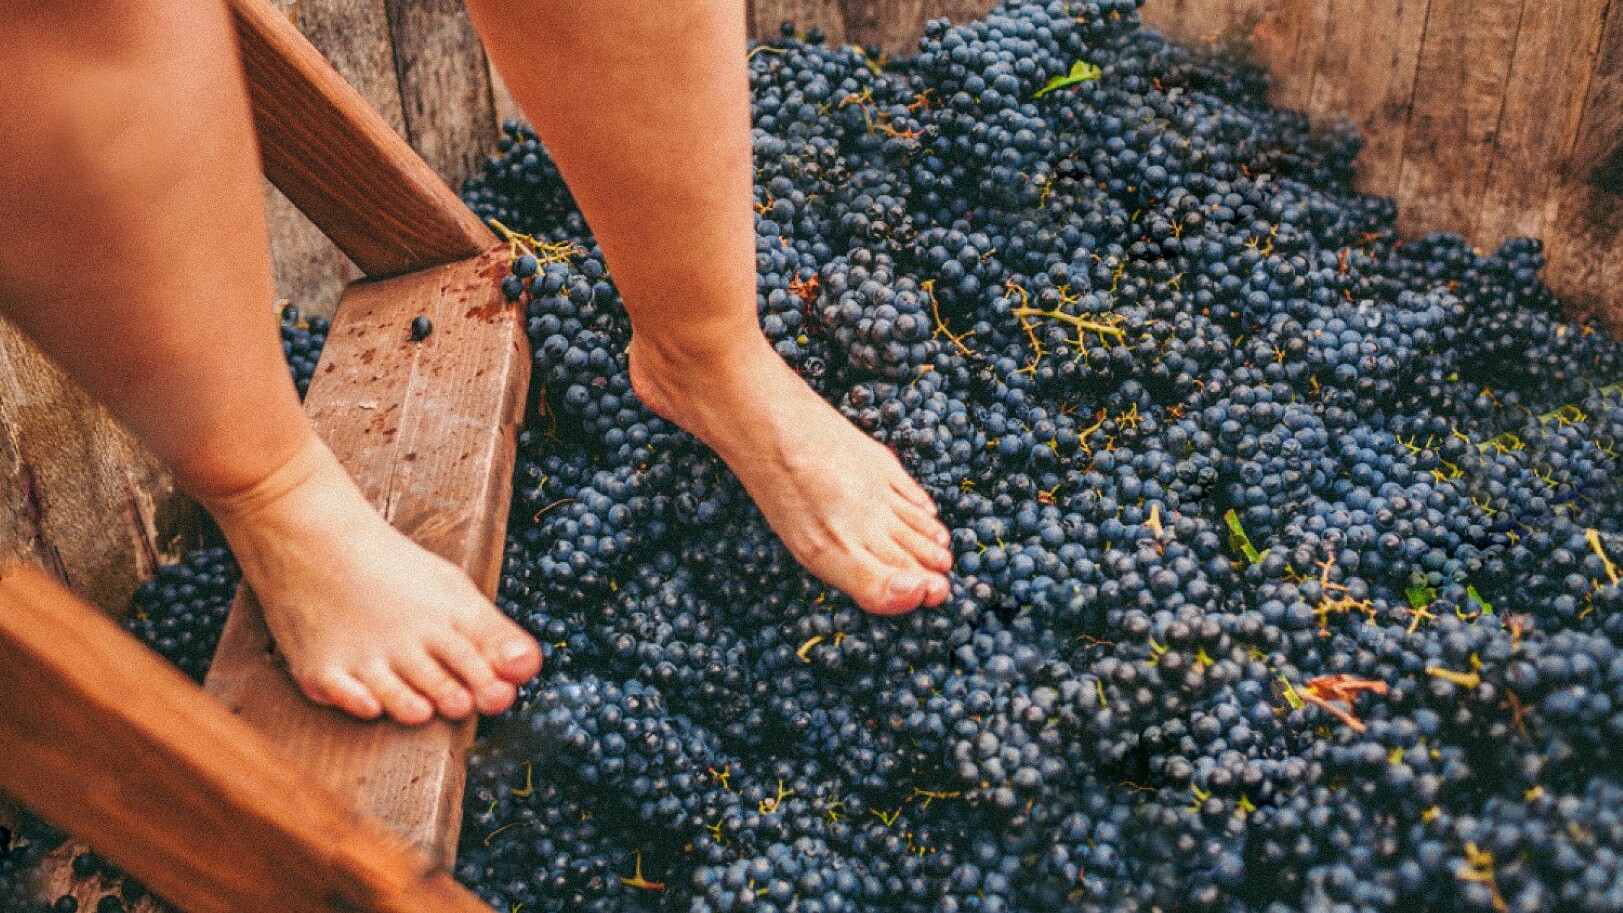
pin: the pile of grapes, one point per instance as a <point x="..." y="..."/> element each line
<point x="1288" y="552"/>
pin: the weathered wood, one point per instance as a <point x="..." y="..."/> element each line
<point x="1585" y="235"/>
<point x="767" y="16"/>
<point x="1454" y="117"/>
<point x="1543" y="102"/>
<point x="106" y="740"/>
<point x="78" y="496"/>
<point x="341" y="163"/>
<point x="893" y="25"/>
<point x="354" y="37"/>
<point x="502" y="100"/>
<point x="1364" y="70"/>
<point x="444" y="85"/>
<point x="428" y="431"/>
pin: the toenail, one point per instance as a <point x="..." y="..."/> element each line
<point x="904" y="585"/>
<point x="514" y="650"/>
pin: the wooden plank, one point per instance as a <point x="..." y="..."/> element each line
<point x="1585" y="236"/>
<point x="104" y="739"/>
<point x="444" y="85"/>
<point x="77" y="494"/>
<point x="1191" y="22"/>
<point x="1364" y="71"/>
<point x="1290" y="42"/>
<point x="1543" y="102"/>
<point x="766" y="16"/>
<point x="1454" y="117"/>
<point x="354" y="37"/>
<point x="893" y="25"/>
<point x="428" y="431"/>
<point x="340" y="163"/>
<point x="502" y="100"/>
<point x="310" y="271"/>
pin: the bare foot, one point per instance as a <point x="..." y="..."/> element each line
<point x="838" y="499"/>
<point x="368" y="621"/>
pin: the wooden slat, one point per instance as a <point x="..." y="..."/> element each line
<point x="444" y="85"/>
<point x="77" y="494"/>
<point x="428" y="431"/>
<point x="1454" y="117"/>
<point x="1192" y="22"/>
<point x="340" y="163"/>
<point x="1543" y="101"/>
<point x="894" y="25"/>
<point x="1585" y="237"/>
<point x="766" y="16"/>
<point x="1367" y="54"/>
<point x="354" y="37"/>
<point x="106" y="740"/>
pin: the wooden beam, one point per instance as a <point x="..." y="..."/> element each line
<point x="106" y="740"/>
<point x="340" y="163"/>
<point x="428" y="430"/>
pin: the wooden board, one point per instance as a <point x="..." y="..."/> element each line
<point x="1543" y="103"/>
<point x="105" y="739"/>
<point x="428" y="430"/>
<point x="444" y="85"/>
<point x="767" y="16"/>
<point x="342" y="164"/>
<point x="1454" y="118"/>
<point x="1585" y="238"/>
<point x="77" y="495"/>
<point x="353" y="35"/>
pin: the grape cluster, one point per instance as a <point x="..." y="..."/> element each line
<point x="302" y="340"/>
<point x="1289" y="553"/>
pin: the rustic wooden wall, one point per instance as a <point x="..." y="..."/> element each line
<point x="1487" y="117"/>
<point x="1490" y="118"/>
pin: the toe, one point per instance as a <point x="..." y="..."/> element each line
<point x="510" y="652"/>
<point x="901" y="592"/>
<point x="913" y="492"/>
<point x="922" y="522"/>
<point x="936" y="590"/>
<point x="425" y="674"/>
<point x="338" y="688"/>
<point x="403" y="705"/>
<point x="491" y="695"/>
<point x="932" y="555"/>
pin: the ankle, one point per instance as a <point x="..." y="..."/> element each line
<point x="310" y="464"/>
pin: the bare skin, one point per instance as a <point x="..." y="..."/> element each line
<point x="645" y="109"/>
<point x="106" y="176"/>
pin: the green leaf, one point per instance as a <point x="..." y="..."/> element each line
<point x="1081" y="72"/>
<point x="1420" y="595"/>
<point x="1471" y="593"/>
<point x="1239" y="541"/>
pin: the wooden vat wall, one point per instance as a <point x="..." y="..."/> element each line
<point x="1491" y="118"/>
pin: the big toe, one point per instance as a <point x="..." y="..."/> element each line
<point x="898" y="592"/>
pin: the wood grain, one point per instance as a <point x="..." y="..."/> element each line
<point x="428" y="431"/>
<point x="444" y="85"/>
<point x="354" y="37"/>
<point x="105" y="739"/>
<point x="1585" y="236"/>
<point x="1544" y="100"/>
<point x="340" y="162"/>
<point x="1455" y="114"/>
<point x="766" y="16"/>
<point x="78" y="496"/>
<point x="1367" y="56"/>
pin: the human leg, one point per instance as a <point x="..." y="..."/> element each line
<point x="645" y="109"/>
<point x="133" y="250"/>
